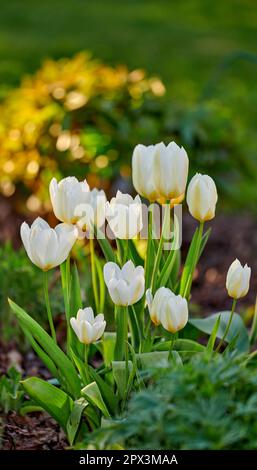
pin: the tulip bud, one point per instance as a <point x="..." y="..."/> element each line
<point x="92" y="212"/>
<point x="171" y="171"/>
<point x="124" y="215"/>
<point x="47" y="247"/>
<point x="143" y="171"/>
<point x="202" y="197"/>
<point x="167" y="309"/>
<point x="126" y="285"/>
<point x="87" y="327"/>
<point x="66" y="196"/>
<point x="238" y="279"/>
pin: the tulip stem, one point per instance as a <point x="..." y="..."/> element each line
<point x="228" y="325"/>
<point x="165" y="226"/>
<point x="48" y="306"/>
<point x="94" y="274"/>
<point x="86" y="363"/>
<point x="65" y="277"/>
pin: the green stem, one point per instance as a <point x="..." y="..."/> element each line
<point x="65" y="275"/>
<point x="94" y="274"/>
<point x="149" y="254"/>
<point x="160" y="246"/>
<point x="48" y="306"/>
<point x="119" y="251"/>
<point x="187" y="291"/>
<point x="228" y="325"/>
<point x="86" y="363"/>
<point x="121" y="319"/>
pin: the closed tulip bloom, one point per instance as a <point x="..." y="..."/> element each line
<point x="124" y="215"/>
<point x="171" y="171"/>
<point x="238" y="279"/>
<point x="87" y="327"/>
<point x="66" y="196"/>
<point x="202" y="197"/>
<point x="126" y="286"/>
<point x="143" y="171"/>
<point x="92" y="212"/>
<point x="168" y="309"/>
<point x="155" y="303"/>
<point x="47" y="247"/>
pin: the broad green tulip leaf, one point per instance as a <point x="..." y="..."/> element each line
<point x="75" y="305"/>
<point x="67" y="374"/>
<point x="188" y="269"/>
<point x="135" y="256"/>
<point x="53" y="400"/>
<point x="181" y="345"/>
<point x="108" y="342"/>
<point x="106" y="391"/>
<point x="75" y="418"/>
<point x="155" y="359"/>
<point x="237" y="328"/>
<point x="105" y="246"/>
<point x="119" y="374"/>
<point x="30" y="409"/>
<point x="94" y="396"/>
<point x="86" y="379"/>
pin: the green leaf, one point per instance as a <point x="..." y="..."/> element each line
<point x="135" y="256"/>
<point x="106" y="391"/>
<point x="105" y="246"/>
<point x="75" y="305"/>
<point x="212" y="339"/>
<point x="94" y="396"/>
<point x="108" y="342"/>
<point x="67" y="374"/>
<point x="237" y="328"/>
<point x="154" y="359"/>
<point x="188" y="262"/>
<point x="53" y="400"/>
<point x="75" y="418"/>
<point x="181" y="345"/>
<point x="119" y="374"/>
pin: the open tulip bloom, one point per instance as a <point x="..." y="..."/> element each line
<point x="140" y="296"/>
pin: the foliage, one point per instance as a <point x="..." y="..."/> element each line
<point x="204" y="405"/>
<point x="12" y="394"/>
<point x="19" y="279"/>
<point x="74" y="114"/>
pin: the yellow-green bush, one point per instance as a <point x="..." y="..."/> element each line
<point x="74" y="116"/>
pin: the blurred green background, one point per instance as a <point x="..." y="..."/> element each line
<point x="183" y="42"/>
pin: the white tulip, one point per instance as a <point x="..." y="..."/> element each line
<point x="45" y="246"/>
<point x="124" y="215"/>
<point x="126" y="286"/>
<point x="202" y="197"/>
<point x="171" y="171"/>
<point x="238" y="279"/>
<point x="66" y="196"/>
<point x="143" y="171"/>
<point x="87" y="327"/>
<point x="167" y="309"/>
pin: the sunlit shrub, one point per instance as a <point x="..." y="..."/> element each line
<point x="74" y="114"/>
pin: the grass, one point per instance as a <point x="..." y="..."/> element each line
<point x="182" y="41"/>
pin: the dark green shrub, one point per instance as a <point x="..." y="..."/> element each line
<point x="205" y="404"/>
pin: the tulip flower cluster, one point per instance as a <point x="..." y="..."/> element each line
<point x="150" y="297"/>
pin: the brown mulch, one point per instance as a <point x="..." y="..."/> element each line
<point x="36" y="431"/>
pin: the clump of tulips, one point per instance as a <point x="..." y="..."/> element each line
<point x="149" y="291"/>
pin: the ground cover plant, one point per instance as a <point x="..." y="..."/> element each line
<point x="94" y="377"/>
